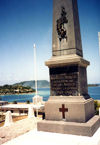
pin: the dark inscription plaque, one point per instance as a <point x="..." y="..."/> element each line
<point x="64" y="81"/>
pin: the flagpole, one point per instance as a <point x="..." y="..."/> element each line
<point x="99" y="42"/>
<point x="35" y="76"/>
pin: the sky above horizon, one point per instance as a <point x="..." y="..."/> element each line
<point x="25" y="22"/>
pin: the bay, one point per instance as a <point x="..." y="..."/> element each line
<point x="94" y="92"/>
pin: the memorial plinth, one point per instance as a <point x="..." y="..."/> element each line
<point x="70" y="109"/>
<point x="83" y="129"/>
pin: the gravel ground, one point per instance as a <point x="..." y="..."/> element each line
<point x="16" y="129"/>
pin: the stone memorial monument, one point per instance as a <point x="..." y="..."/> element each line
<point x="70" y="109"/>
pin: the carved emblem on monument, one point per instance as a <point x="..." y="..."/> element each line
<point x="61" y="30"/>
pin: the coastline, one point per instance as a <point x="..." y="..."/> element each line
<point x="17" y="94"/>
<point x="45" y="92"/>
<point x="93" y="86"/>
<point x="23" y="93"/>
<point x="38" y="88"/>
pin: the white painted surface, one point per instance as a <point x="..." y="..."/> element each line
<point x="35" y="137"/>
<point x="22" y="106"/>
<point x="8" y="119"/>
<point x="30" y="112"/>
<point x="37" y="100"/>
<point x="35" y="69"/>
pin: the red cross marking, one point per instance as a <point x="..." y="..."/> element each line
<point x="63" y="110"/>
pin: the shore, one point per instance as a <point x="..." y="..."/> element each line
<point x="98" y="101"/>
<point x="17" y="94"/>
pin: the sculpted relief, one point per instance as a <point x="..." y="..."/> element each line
<point x="61" y="22"/>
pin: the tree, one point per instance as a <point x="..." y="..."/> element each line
<point x="0" y="98"/>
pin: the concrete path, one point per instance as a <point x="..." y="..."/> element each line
<point x="35" y="137"/>
<point x="16" y="129"/>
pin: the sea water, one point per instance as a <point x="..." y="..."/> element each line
<point x="94" y="92"/>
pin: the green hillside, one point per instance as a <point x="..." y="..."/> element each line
<point x="15" y="89"/>
<point x="40" y="83"/>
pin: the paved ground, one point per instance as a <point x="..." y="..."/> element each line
<point x="16" y="129"/>
<point x="21" y="106"/>
<point x="35" y="137"/>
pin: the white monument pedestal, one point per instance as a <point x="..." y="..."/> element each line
<point x="37" y="100"/>
<point x="8" y="119"/>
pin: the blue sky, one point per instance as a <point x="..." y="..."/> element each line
<point x="25" y="22"/>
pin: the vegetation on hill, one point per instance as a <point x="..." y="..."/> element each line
<point x="22" y="87"/>
<point x="40" y="83"/>
<point x="93" y="85"/>
<point x="15" y="89"/>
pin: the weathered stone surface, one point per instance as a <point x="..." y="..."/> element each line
<point x="84" y="129"/>
<point x="71" y="45"/>
<point x="64" y="81"/>
<point x="68" y="81"/>
<point x="66" y="60"/>
<point x="79" y="109"/>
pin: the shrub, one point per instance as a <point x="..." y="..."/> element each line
<point x="14" y="102"/>
<point x="0" y="98"/>
<point x="96" y="106"/>
<point x="97" y="112"/>
<point x="28" y="102"/>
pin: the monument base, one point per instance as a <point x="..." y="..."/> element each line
<point x="83" y="129"/>
<point x="73" y="109"/>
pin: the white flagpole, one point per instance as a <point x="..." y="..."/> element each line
<point x="35" y="70"/>
<point x="35" y="75"/>
<point x="99" y="42"/>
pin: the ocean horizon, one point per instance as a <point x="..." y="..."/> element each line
<point x="94" y="92"/>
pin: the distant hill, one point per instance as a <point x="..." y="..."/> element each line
<point x="43" y="84"/>
<point x="40" y="83"/>
<point x="93" y="85"/>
